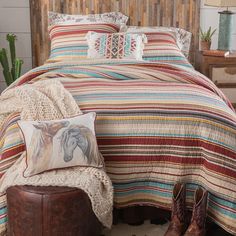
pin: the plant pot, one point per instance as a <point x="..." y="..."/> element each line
<point x="205" y="45"/>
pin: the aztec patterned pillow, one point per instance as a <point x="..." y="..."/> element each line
<point x="183" y="37"/>
<point x="60" y="144"/>
<point x="69" y="42"/>
<point x="116" y="46"/>
<point x="118" y="18"/>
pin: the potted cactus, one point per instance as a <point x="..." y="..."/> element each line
<point x="14" y="73"/>
<point x="206" y="38"/>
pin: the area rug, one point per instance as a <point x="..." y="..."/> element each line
<point x="145" y="229"/>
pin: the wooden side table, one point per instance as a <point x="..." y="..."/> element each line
<point x="221" y="70"/>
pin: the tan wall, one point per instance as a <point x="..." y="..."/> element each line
<point x="15" y="18"/>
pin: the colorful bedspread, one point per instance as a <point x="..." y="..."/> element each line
<point x="156" y="124"/>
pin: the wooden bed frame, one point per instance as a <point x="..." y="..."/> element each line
<point x="177" y="13"/>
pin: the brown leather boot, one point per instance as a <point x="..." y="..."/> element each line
<point x="197" y="225"/>
<point x="178" y="224"/>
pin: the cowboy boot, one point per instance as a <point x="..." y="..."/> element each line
<point x="178" y="224"/>
<point x="197" y="225"/>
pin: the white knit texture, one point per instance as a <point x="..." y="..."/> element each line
<point x="49" y="100"/>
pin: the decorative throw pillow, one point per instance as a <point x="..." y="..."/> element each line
<point x="116" y="46"/>
<point x="183" y="37"/>
<point x="118" y="18"/>
<point x="60" y="144"/>
<point x="68" y="42"/>
<point x="162" y="47"/>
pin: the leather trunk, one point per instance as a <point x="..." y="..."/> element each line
<point x="50" y="211"/>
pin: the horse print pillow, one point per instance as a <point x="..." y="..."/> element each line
<point x="60" y="144"/>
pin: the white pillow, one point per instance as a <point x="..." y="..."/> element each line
<point x="118" y="18"/>
<point x="60" y="144"/>
<point x="116" y="46"/>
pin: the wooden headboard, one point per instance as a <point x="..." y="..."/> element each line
<point x="177" y="13"/>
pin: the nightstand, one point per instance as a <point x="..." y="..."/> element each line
<point x="221" y="70"/>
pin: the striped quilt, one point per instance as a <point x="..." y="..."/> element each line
<point x="157" y="124"/>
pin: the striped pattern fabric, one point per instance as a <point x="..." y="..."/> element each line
<point x="68" y="42"/>
<point x="156" y="124"/>
<point x="162" y="46"/>
<point x="183" y="37"/>
<point x="11" y="145"/>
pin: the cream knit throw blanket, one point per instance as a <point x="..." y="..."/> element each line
<point x="48" y="100"/>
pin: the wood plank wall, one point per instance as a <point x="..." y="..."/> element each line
<point x="178" y="13"/>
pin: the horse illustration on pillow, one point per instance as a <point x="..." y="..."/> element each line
<point x="41" y="145"/>
<point x="82" y="137"/>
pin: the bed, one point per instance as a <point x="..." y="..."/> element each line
<point x="157" y="123"/>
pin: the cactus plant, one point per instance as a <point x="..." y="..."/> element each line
<point x="14" y="73"/>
